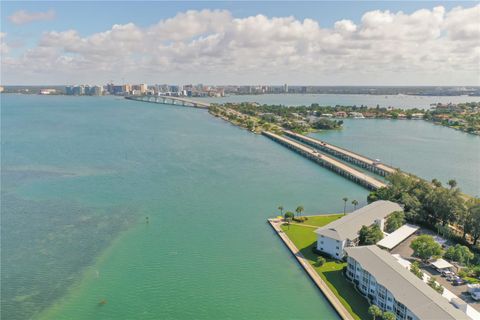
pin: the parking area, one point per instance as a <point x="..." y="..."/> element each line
<point x="406" y="252"/>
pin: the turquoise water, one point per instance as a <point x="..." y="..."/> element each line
<point x="79" y="176"/>
<point x="419" y="147"/>
<point x="398" y="101"/>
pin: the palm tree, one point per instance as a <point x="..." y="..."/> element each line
<point x="375" y="311"/>
<point x="436" y="183"/>
<point x="355" y="204"/>
<point x="299" y="210"/>
<point x="452" y="183"/>
<point x="281" y="210"/>
<point x="345" y="205"/>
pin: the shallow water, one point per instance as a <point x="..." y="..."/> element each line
<point x="81" y="174"/>
<point x="85" y="170"/>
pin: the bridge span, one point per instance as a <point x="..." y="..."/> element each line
<point x="170" y="100"/>
<point x="344" y="154"/>
<point x="328" y="162"/>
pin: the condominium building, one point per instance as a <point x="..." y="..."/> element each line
<point x="341" y="233"/>
<point x="386" y="283"/>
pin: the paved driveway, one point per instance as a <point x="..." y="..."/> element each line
<point x="406" y="252"/>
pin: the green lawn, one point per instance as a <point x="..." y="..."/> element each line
<point x="331" y="272"/>
<point x="320" y="221"/>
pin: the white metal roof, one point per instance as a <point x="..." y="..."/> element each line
<point x="347" y="227"/>
<point x="397" y="236"/>
<point x="441" y="264"/>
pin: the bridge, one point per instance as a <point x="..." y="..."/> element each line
<point x="170" y="100"/>
<point x="328" y="162"/>
<point x="344" y="154"/>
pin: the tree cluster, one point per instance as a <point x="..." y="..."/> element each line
<point x="394" y="221"/>
<point x="459" y="253"/>
<point x="430" y="203"/>
<point x="370" y="235"/>
<point x="425" y="247"/>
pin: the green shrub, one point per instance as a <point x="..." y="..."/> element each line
<point x="320" y="261"/>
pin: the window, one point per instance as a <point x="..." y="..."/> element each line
<point x="409" y="318"/>
<point x="338" y="248"/>
<point x="321" y="242"/>
<point x="321" y="249"/>
<point x="336" y="254"/>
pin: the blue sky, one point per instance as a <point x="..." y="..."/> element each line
<point x="91" y="17"/>
<point x="88" y="17"/>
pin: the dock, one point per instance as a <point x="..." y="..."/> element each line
<point x="344" y="154"/>
<point x="317" y="280"/>
<point x="328" y="162"/>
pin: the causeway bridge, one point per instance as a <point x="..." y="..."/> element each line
<point x="344" y="154"/>
<point x="170" y="100"/>
<point x="328" y="162"/>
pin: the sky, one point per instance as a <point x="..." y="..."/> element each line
<point x="242" y="42"/>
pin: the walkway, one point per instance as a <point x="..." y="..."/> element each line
<point x="355" y="158"/>
<point x="328" y="162"/>
<point x="337" y="305"/>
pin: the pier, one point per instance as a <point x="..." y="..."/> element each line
<point x="170" y="100"/>
<point x="349" y="156"/>
<point x="328" y="162"/>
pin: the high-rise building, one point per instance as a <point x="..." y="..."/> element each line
<point x="285" y="88"/>
<point x="95" y="91"/>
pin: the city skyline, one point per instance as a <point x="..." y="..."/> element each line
<point x="377" y="43"/>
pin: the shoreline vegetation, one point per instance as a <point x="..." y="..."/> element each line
<point x="306" y="119"/>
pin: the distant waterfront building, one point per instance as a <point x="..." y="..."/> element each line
<point x="83" y="90"/>
<point x="417" y="116"/>
<point x="78" y="90"/>
<point x="95" y="91"/>
<point x="140" y="89"/>
<point x="357" y="115"/>
<point x="386" y="283"/>
<point x="285" y="88"/>
<point x="1" y="89"/>
<point x="47" y="91"/>
<point x="341" y="114"/>
<point x="333" y="238"/>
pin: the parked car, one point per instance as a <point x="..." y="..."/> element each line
<point x="451" y="277"/>
<point x="473" y="288"/>
<point x="475" y="295"/>
<point x="458" y="282"/>
<point x="446" y="273"/>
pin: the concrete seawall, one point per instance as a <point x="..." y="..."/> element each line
<point x="318" y="281"/>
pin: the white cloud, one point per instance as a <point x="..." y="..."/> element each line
<point x="23" y="17"/>
<point x="4" y="48"/>
<point x="424" y="47"/>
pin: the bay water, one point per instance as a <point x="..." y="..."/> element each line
<point x="116" y="209"/>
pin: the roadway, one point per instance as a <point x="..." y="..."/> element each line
<point x="330" y="162"/>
